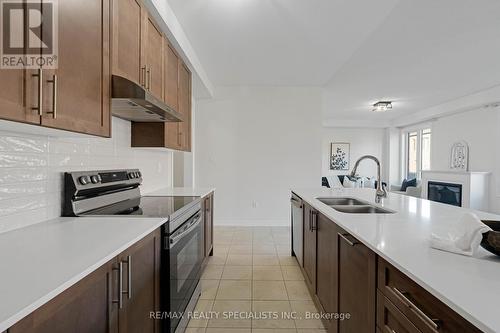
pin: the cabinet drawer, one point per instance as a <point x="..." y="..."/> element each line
<point x="390" y="319"/>
<point x="425" y="311"/>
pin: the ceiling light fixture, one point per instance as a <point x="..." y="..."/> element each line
<point x="382" y="106"/>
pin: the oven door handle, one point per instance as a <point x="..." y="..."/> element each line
<point x="196" y="221"/>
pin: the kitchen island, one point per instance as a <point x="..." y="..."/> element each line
<point x="396" y="242"/>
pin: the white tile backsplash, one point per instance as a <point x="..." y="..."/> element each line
<point x="32" y="167"/>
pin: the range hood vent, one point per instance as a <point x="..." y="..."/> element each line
<point x="132" y="102"/>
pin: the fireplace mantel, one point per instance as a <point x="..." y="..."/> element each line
<point x="475" y="191"/>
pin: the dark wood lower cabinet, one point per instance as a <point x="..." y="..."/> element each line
<point x="357" y="285"/>
<point x="309" y="253"/>
<point x="208" y="217"/>
<point x="141" y="285"/>
<point x="346" y="277"/>
<point x="87" y="307"/>
<point x="93" y="305"/>
<point x="327" y="268"/>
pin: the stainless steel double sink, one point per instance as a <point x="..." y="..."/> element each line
<point x="353" y="206"/>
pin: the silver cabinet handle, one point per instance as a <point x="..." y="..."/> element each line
<point x="314" y="220"/>
<point x="434" y="323"/>
<point x="39" y="75"/>
<point x="148" y="77"/>
<point x="120" y="285"/>
<point x="129" y="277"/>
<point x="54" y="96"/>
<point x="142" y="78"/>
<point x="344" y="237"/>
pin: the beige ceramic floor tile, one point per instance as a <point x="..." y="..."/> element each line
<point x="274" y="330"/>
<point x="264" y="249"/>
<point x="269" y="291"/>
<point x="234" y="290"/>
<point x="209" y="288"/>
<point x="237" y="273"/>
<point x="217" y="259"/>
<point x="221" y="249"/>
<point x="240" y="249"/>
<point x="195" y="330"/>
<point x="292" y="273"/>
<point x="223" y="308"/>
<point x="297" y="291"/>
<point x="228" y="330"/>
<point x="288" y="260"/>
<point x="284" y="249"/>
<point x="265" y="260"/>
<point x="239" y="260"/>
<point x="212" y="272"/>
<point x="201" y="310"/>
<point x="311" y="330"/>
<point x="275" y="317"/>
<point x="267" y="273"/>
<point x="302" y="308"/>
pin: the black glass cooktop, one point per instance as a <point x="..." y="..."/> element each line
<point x="147" y="206"/>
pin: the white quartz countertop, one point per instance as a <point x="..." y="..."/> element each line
<point x="468" y="285"/>
<point x="182" y="192"/>
<point x="41" y="261"/>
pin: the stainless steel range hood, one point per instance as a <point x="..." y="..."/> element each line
<point x="132" y="102"/>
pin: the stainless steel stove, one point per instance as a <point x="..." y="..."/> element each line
<point x="115" y="193"/>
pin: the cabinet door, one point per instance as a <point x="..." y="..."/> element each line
<point x="171" y="91"/>
<point x="87" y="307"/>
<point x="310" y="247"/>
<point x="327" y="267"/>
<point x="207" y="206"/>
<point x="127" y="32"/>
<point x="154" y="58"/>
<point x="79" y="100"/>
<point x="357" y="286"/>
<point x="141" y="278"/>
<point x="185" y="106"/>
<point x="14" y="97"/>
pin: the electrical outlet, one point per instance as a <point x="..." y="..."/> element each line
<point x="254" y="204"/>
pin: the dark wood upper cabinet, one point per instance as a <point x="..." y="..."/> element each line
<point x="127" y="52"/>
<point x="153" y="48"/>
<point x="77" y="93"/>
<point x="356" y="285"/>
<point x="171" y="95"/>
<point x="171" y="75"/>
<point x="87" y="307"/>
<point x="309" y="260"/>
<point x="141" y="285"/>
<point x="14" y="87"/>
<point x="185" y="107"/>
<point x="75" y="96"/>
<point x="327" y="267"/>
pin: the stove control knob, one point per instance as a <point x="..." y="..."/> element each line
<point x="95" y="179"/>
<point x="139" y="175"/>
<point x="131" y="175"/>
<point x="84" y="180"/>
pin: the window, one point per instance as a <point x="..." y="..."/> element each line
<point x="417" y="153"/>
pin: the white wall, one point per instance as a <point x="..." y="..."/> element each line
<point x="32" y="167"/>
<point x="253" y="145"/>
<point x="480" y="128"/>
<point x="363" y="141"/>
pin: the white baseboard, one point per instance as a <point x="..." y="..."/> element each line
<point x="251" y="223"/>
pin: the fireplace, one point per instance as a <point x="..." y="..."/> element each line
<point x="448" y="193"/>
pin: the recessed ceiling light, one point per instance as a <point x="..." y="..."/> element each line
<point x="382" y="106"/>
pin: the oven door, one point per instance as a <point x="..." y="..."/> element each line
<point x="186" y="257"/>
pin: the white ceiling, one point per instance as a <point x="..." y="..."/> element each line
<point x="418" y="53"/>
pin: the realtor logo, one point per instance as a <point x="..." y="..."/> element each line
<point x="28" y="34"/>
